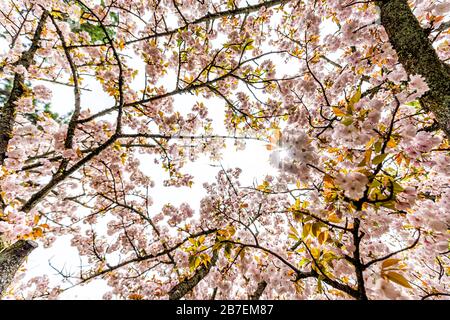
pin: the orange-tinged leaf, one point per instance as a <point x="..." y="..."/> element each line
<point x="339" y="112"/>
<point x="37" y="233"/>
<point x="399" y="158"/>
<point x="328" y="181"/>
<point x="135" y="296"/>
<point x="323" y="236"/>
<point x="334" y="218"/>
<point x="392" y="143"/>
<point x="438" y="19"/>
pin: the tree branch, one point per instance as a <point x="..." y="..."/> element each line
<point x="365" y="266"/>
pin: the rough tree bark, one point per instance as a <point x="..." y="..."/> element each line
<point x="259" y="291"/>
<point x="185" y="286"/>
<point x="416" y="53"/>
<point x="11" y="259"/>
<point x="8" y="111"/>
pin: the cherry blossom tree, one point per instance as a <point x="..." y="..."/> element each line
<point x="351" y="97"/>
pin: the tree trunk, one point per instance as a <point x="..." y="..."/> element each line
<point x="416" y="53"/>
<point x="8" y="111"/>
<point x="259" y="291"/>
<point x="185" y="286"/>
<point x="11" y="259"/>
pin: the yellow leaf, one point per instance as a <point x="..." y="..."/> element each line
<point x="368" y="155"/>
<point x="306" y="230"/>
<point x="57" y="14"/>
<point x="370" y="143"/>
<point x="315" y="229"/>
<point x="264" y="186"/>
<point x="315" y="252"/>
<point x="231" y="230"/>
<point x="123" y="158"/>
<point x="292" y="236"/>
<point x="356" y="97"/>
<point x="297" y="204"/>
<point x="293" y="230"/>
<point x="353" y="100"/>
<point x="117" y="146"/>
<point x="334" y="218"/>
<point x="389" y="262"/>
<point x="398" y="278"/>
<point x="196" y="262"/>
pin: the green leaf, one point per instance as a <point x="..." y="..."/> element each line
<point x="303" y="262"/>
<point x="389" y="204"/>
<point x="378" y="146"/>
<point x="193" y="261"/>
<point x="114" y="17"/>
<point x="346" y="121"/>
<point x="379" y="158"/>
<point x="415" y="104"/>
<point x="227" y="251"/>
<point x="397" y="188"/>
